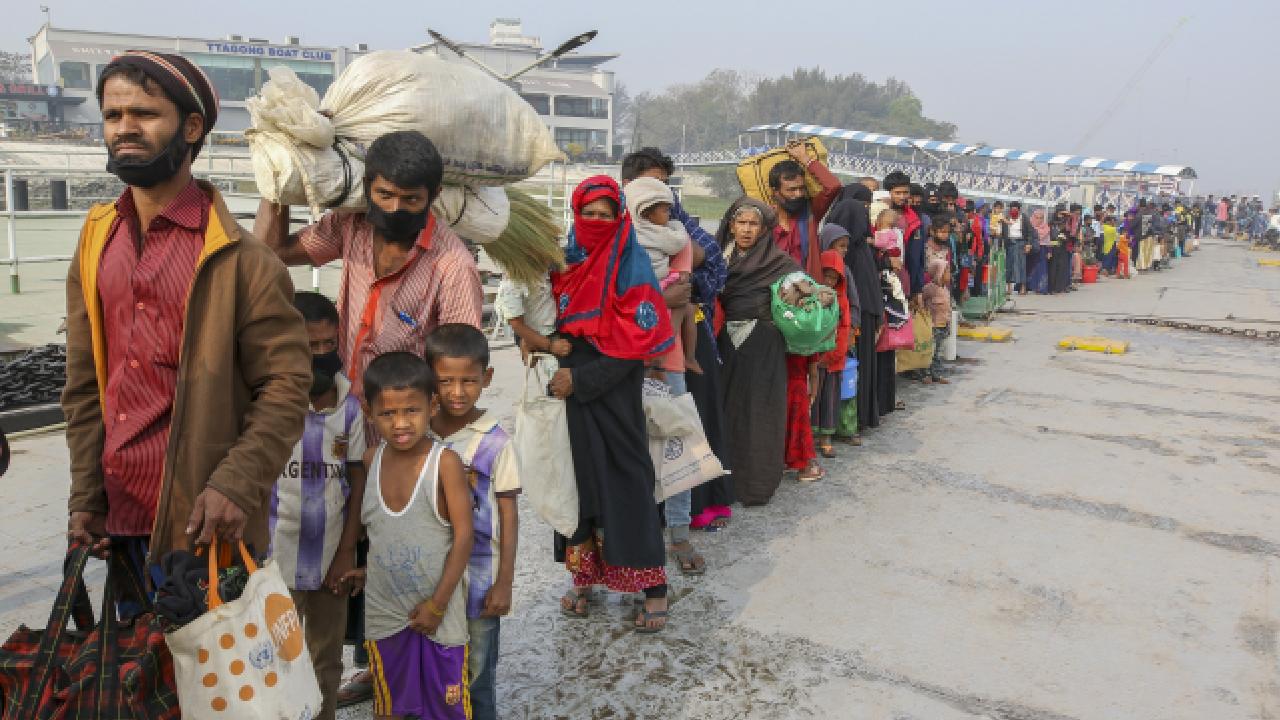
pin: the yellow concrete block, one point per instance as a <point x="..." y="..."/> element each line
<point x="1269" y="262"/>
<point x="1094" y="344"/>
<point x="988" y="334"/>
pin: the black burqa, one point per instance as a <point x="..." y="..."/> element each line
<point x="611" y="458"/>
<point x="754" y="378"/>
<point x="852" y="214"/>
<point x="705" y="389"/>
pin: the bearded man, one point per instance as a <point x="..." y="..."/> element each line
<point x="187" y="365"/>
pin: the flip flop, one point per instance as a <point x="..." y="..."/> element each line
<point x="899" y="405"/>
<point x="356" y="691"/>
<point x="807" y="476"/>
<point x="720" y="523"/>
<point x="688" y="561"/>
<point x="827" y="451"/>
<point x="579" y="600"/>
<point x="644" y="616"/>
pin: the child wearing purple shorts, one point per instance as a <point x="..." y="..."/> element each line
<point x="417" y="513"/>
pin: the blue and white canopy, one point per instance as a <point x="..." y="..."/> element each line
<point x="955" y="148"/>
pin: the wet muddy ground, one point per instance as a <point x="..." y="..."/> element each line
<point x="1056" y="535"/>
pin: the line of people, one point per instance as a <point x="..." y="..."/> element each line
<point x="205" y="399"/>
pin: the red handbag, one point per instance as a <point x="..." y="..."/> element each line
<point x="902" y="338"/>
<point x="115" y="670"/>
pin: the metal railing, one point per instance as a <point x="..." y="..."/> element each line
<point x="1046" y="191"/>
<point x="552" y="185"/>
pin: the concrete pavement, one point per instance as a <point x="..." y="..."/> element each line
<point x="1056" y="535"/>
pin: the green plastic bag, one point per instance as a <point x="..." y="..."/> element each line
<point x="808" y="328"/>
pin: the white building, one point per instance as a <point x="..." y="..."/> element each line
<point x="572" y="94"/>
<point x="71" y="60"/>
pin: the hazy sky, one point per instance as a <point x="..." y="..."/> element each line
<point x="1032" y="75"/>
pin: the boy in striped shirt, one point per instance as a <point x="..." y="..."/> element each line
<point x="459" y="355"/>
<point x="313" y="530"/>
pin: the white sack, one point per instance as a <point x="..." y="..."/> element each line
<point x="308" y="151"/>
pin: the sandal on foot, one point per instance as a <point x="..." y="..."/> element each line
<point x="813" y="473"/>
<point x="899" y="405"/>
<point x="575" y="605"/>
<point x="720" y="523"/>
<point x="643" y="619"/>
<point x="358" y="690"/>
<point x="691" y="563"/>
<point x="855" y="441"/>
<point x="827" y="450"/>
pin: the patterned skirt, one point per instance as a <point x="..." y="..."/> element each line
<point x="587" y="565"/>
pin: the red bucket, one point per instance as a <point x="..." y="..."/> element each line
<point x="1089" y="274"/>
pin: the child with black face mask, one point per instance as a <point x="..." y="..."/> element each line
<point x="315" y="518"/>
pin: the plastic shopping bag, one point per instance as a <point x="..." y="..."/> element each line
<point x="543" y="453"/>
<point x="247" y="658"/>
<point x="899" y="338"/>
<point x="805" y="312"/>
<point x="920" y="356"/>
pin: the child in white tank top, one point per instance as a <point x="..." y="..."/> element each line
<point x="417" y="513"/>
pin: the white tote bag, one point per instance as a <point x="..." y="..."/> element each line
<point x="682" y="457"/>
<point x="247" y="658"/>
<point x="543" y="454"/>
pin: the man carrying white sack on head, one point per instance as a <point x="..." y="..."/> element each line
<point x="403" y="272"/>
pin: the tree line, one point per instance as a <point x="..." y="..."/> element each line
<point x="709" y="114"/>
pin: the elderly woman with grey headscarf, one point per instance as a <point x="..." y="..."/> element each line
<point x="754" y="378"/>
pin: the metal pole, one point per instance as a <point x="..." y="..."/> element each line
<point x="15" y="285"/>
<point x="551" y="181"/>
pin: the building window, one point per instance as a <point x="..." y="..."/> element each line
<point x="541" y="103"/>
<point x="97" y="71"/>
<point x="568" y="106"/>
<point x="74" y="75"/>
<point x="319" y="75"/>
<point x="233" y="77"/>
<point x="590" y="143"/>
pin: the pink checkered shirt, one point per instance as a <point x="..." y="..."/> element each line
<point x="437" y="285"/>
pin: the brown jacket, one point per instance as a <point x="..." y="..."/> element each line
<point x="244" y="371"/>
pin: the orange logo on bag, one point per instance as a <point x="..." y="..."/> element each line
<point x="452" y="694"/>
<point x="285" y="628"/>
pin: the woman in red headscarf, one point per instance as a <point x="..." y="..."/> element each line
<point x="613" y="314"/>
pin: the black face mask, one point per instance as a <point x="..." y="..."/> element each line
<point x="320" y="384"/>
<point x="796" y="206"/>
<point x="149" y="173"/>
<point x="400" y="227"/>
<point x="327" y="363"/>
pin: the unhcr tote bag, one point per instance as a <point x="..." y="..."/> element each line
<point x="246" y="658"/>
<point x="543" y="454"/>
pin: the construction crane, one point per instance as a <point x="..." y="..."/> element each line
<point x="1133" y="81"/>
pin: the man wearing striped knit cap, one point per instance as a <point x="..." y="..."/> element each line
<point x="187" y="364"/>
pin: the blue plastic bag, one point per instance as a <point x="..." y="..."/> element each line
<point x="849" y="380"/>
